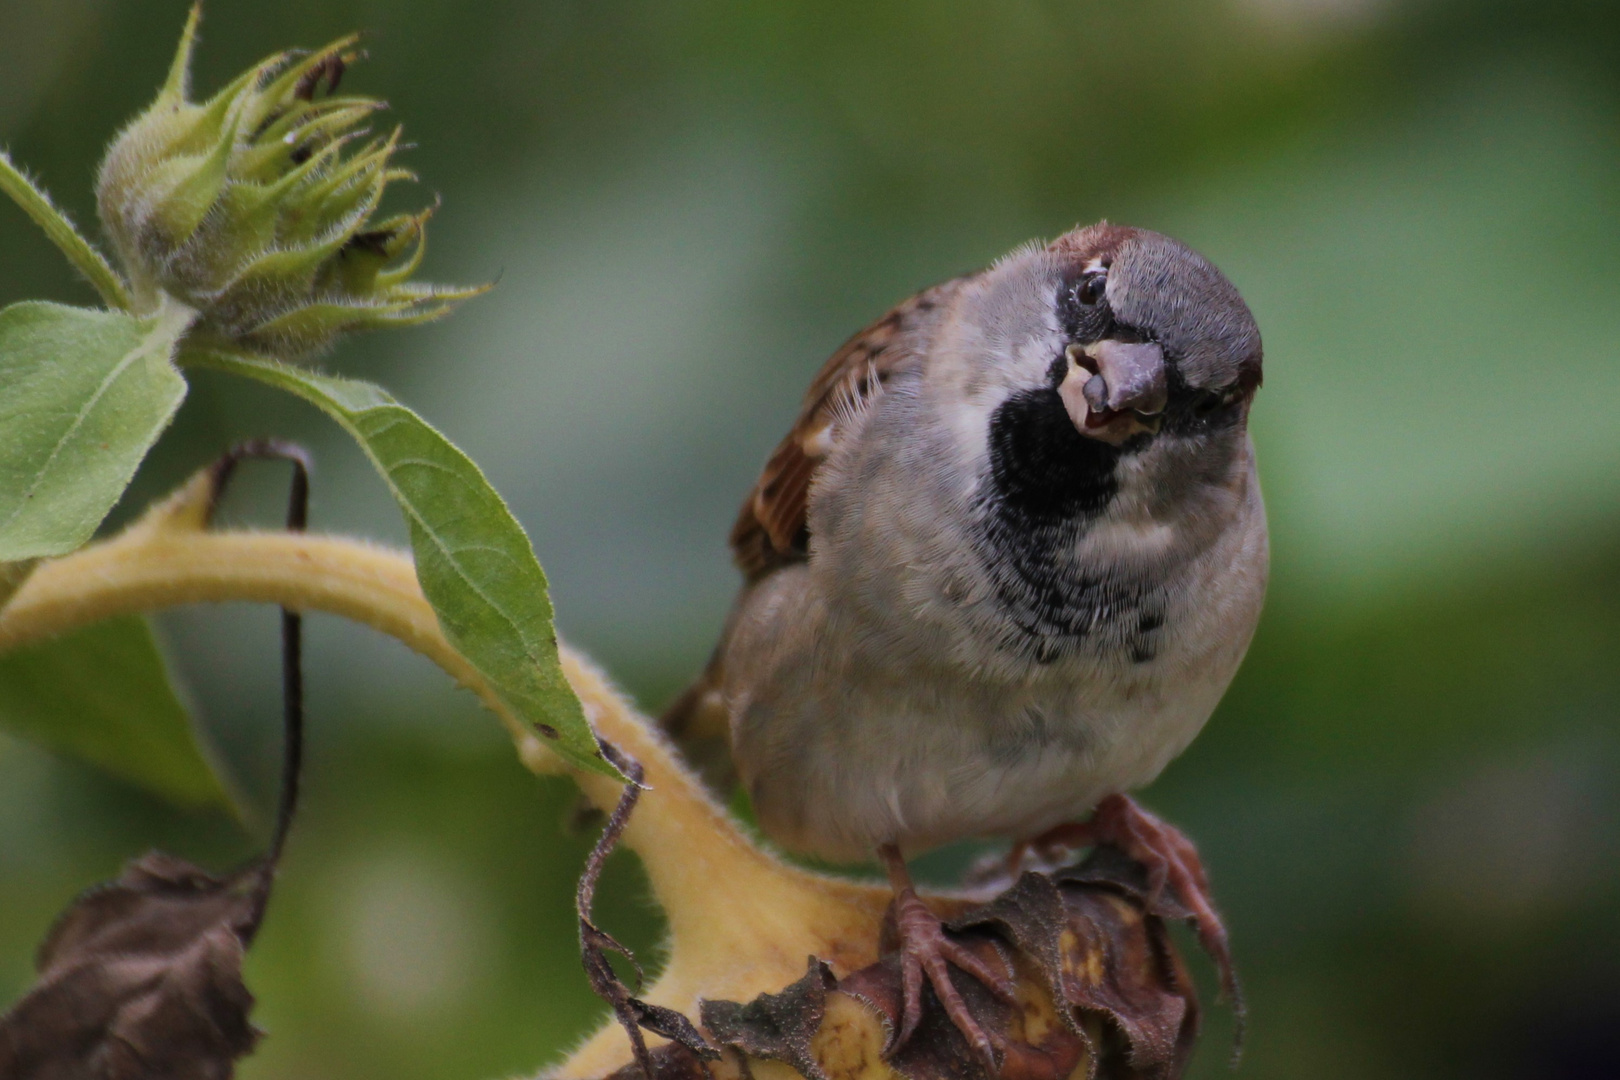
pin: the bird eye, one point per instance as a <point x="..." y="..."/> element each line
<point x="1212" y="401"/>
<point x="1091" y="288"/>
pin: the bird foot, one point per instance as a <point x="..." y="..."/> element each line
<point x="1171" y="862"/>
<point x="926" y="951"/>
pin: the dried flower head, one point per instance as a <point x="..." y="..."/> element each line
<point x="255" y="207"/>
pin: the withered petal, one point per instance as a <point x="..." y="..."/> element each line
<point x="1099" y="981"/>
<point x="1031" y="915"/>
<point x="776" y="1026"/>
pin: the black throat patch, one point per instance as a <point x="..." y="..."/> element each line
<point x="1047" y="484"/>
<point x="1043" y="471"/>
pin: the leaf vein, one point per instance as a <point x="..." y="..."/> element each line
<point x="79" y="417"/>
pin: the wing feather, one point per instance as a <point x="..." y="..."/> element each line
<point x="771" y="529"/>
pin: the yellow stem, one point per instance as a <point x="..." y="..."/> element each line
<point x="741" y="921"/>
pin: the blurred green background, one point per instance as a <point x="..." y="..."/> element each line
<point x="1409" y="800"/>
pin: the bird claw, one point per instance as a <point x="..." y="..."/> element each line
<point x="926" y="951"/>
<point x="1172" y="866"/>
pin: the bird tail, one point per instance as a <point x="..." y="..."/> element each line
<point x="700" y="724"/>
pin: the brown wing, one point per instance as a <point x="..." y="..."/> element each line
<point x="770" y="531"/>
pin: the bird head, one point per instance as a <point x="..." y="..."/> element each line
<point x="1153" y="334"/>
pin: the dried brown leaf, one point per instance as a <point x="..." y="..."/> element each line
<point x="139" y="979"/>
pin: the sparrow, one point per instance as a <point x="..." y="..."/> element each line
<point x="998" y="575"/>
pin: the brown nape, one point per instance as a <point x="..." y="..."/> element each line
<point x="1090" y="242"/>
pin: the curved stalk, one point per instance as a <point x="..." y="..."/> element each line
<point x="741" y="921"/>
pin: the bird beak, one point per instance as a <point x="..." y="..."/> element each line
<point x="1114" y="389"/>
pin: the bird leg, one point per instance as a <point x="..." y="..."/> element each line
<point x="1171" y="862"/>
<point x="925" y="950"/>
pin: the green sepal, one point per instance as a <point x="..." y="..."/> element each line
<point x="195" y="189"/>
<point x="255" y="207"/>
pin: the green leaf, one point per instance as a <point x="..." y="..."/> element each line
<point x="474" y="561"/>
<point x="102" y="693"/>
<point x="79" y="251"/>
<point x="83" y="395"/>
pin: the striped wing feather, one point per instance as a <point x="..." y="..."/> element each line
<point x="771" y="529"/>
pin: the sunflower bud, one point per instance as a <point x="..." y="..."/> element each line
<point x="255" y="207"/>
